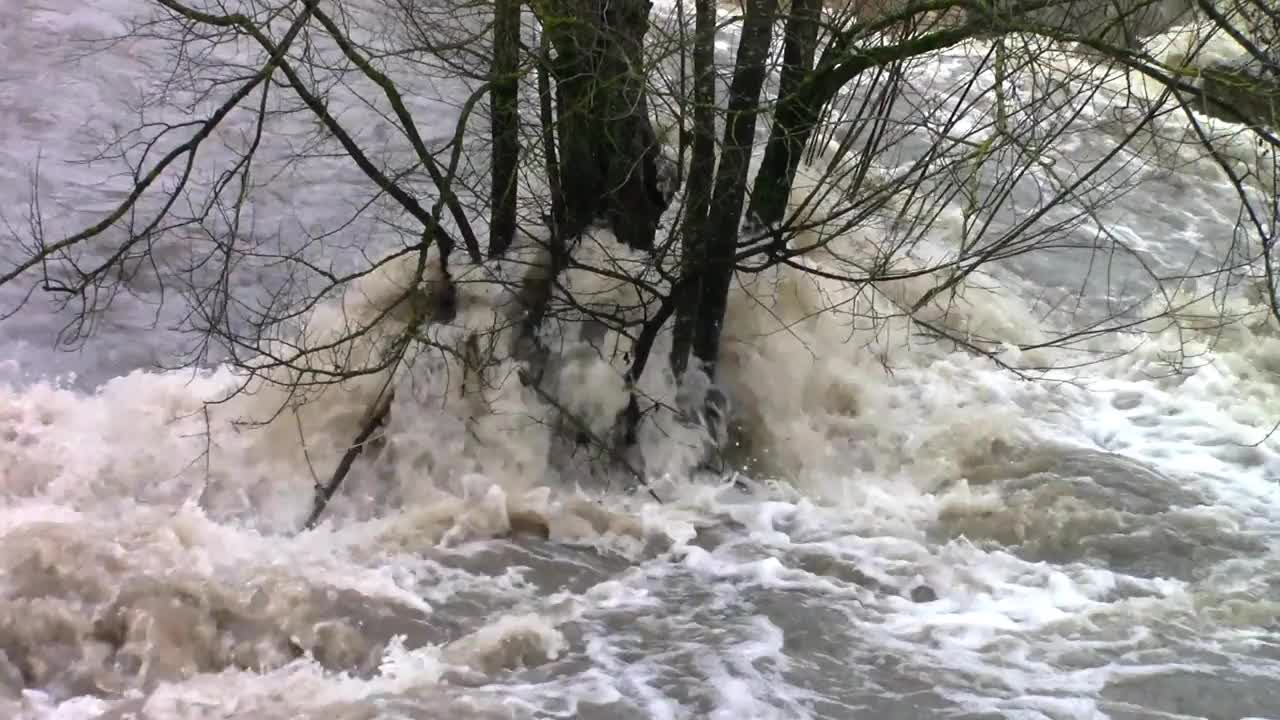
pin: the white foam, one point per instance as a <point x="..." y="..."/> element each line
<point x="872" y="436"/>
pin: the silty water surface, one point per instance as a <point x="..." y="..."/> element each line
<point x="1105" y="548"/>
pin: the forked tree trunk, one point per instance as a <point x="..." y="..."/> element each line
<point x="729" y="194"/>
<point x="793" y="122"/>
<point x="609" y="154"/>
<point x="602" y="152"/>
<point x="800" y="106"/>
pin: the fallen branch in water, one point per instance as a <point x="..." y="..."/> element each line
<point x="583" y="428"/>
<point x="375" y="419"/>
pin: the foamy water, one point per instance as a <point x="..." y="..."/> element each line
<point x="916" y="534"/>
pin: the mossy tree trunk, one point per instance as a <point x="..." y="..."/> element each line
<point x="609" y="153"/>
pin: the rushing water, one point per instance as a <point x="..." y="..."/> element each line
<point x="954" y="542"/>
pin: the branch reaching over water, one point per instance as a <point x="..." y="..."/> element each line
<point x="377" y="416"/>
<point x="187" y="149"/>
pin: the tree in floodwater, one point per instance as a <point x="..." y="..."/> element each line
<point x="944" y="134"/>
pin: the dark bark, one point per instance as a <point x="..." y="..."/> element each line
<point x="324" y="493"/>
<point x="799" y="110"/>
<point x="608" y="148"/>
<point x="582" y="174"/>
<point x="640" y="352"/>
<point x="539" y="284"/>
<point x="724" y="218"/>
<point x="504" y="124"/>
<point x="793" y="121"/>
<point x="685" y="138"/>
<point x="702" y="167"/>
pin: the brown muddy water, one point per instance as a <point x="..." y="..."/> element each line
<point x="945" y="541"/>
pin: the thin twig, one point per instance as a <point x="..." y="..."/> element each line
<point x="306" y="454"/>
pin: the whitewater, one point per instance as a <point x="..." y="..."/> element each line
<point x="917" y="533"/>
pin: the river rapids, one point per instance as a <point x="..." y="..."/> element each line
<point x="920" y="533"/>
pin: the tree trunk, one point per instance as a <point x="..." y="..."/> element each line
<point x="547" y="117"/>
<point x="702" y="168"/>
<point x="794" y="118"/>
<point x="539" y="283"/>
<point x="504" y="124"/>
<point x="799" y="110"/>
<point x="725" y="217"/>
<point x="608" y="148"/>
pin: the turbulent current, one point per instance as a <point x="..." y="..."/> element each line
<point x="921" y="534"/>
